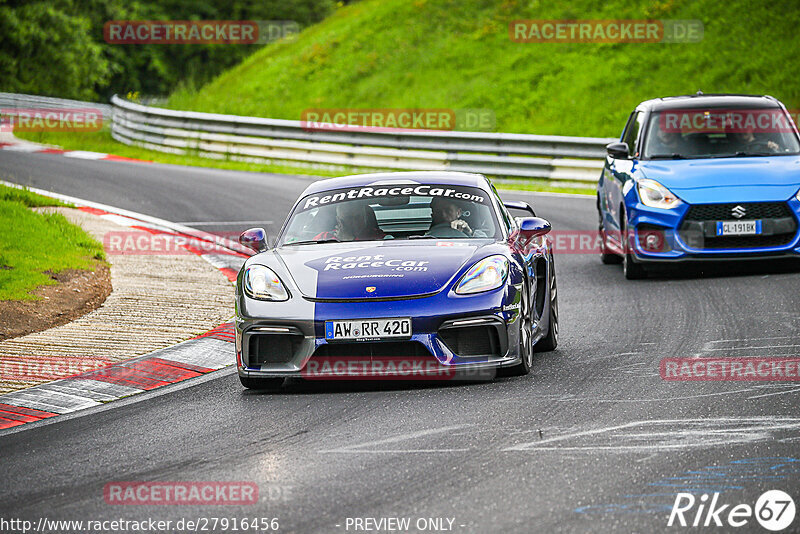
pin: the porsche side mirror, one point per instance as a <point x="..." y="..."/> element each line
<point x="529" y="229"/>
<point x="254" y="238"/>
<point x="618" y="150"/>
<point x="533" y="227"/>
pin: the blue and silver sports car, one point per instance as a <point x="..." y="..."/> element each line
<point x="701" y="177"/>
<point x="396" y="275"/>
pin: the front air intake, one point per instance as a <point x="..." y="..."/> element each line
<point x="273" y="348"/>
<point x="472" y="341"/>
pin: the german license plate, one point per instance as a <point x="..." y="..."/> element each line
<point x="368" y="329"/>
<point x="738" y="228"/>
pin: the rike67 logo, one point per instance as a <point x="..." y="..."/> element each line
<point x="774" y="510"/>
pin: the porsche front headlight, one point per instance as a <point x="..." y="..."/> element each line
<point x="487" y="274"/>
<point x="655" y="195"/>
<point x="262" y="283"/>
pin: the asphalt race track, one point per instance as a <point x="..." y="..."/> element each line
<point x="592" y="440"/>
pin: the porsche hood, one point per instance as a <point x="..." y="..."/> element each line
<point x="376" y="269"/>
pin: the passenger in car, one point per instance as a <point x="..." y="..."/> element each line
<point x="355" y="221"/>
<point x="668" y="143"/>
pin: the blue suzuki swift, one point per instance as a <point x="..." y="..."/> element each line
<point x="701" y="177"/>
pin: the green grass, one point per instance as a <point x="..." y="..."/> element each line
<point x="23" y="196"/>
<point x="576" y="188"/>
<point x="457" y="54"/>
<point x="32" y="243"/>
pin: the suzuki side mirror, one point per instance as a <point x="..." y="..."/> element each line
<point x="618" y="150"/>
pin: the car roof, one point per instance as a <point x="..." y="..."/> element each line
<point x="700" y="100"/>
<point x="388" y="178"/>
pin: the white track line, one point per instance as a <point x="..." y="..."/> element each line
<point x="359" y="448"/>
<point x="751" y="339"/>
<point x="754" y="348"/>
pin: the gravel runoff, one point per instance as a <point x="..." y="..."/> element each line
<point x="156" y="301"/>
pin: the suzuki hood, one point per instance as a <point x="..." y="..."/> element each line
<point x="750" y="179"/>
<point x="375" y="270"/>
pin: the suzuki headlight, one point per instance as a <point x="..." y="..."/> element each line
<point x="489" y="273"/>
<point x="262" y="283"/>
<point x="797" y="196"/>
<point x="655" y="195"/>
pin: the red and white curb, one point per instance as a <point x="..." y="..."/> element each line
<point x="190" y="359"/>
<point x="35" y="148"/>
<point x="206" y="353"/>
<point x="223" y="258"/>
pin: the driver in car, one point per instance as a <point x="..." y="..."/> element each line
<point x="747" y="141"/>
<point x="446" y="219"/>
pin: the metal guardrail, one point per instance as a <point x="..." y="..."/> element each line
<point x="294" y="143"/>
<point x="279" y="141"/>
<point x="13" y="100"/>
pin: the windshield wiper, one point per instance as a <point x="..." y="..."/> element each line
<point x="719" y="156"/>
<point x="748" y="154"/>
<point x="315" y="241"/>
<point x="741" y="155"/>
<point x="667" y="156"/>
<point x="426" y="236"/>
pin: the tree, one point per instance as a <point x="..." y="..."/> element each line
<point x="48" y="49"/>
<point x="56" y="48"/>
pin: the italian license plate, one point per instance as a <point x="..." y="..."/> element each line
<point x="368" y="329"/>
<point x="738" y="228"/>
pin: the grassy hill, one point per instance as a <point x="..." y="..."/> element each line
<point x="457" y="54"/>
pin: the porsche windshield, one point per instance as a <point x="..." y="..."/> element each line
<point x="717" y="133"/>
<point x="392" y="212"/>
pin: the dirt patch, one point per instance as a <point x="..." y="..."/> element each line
<point x="77" y="293"/>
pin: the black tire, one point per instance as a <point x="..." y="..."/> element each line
<point x="550" y="341"/>
<point x="631" y="269"/>
<point x="525" y="338"/>
<point x="261" y="383"/>
<point x="607" y="256"/>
